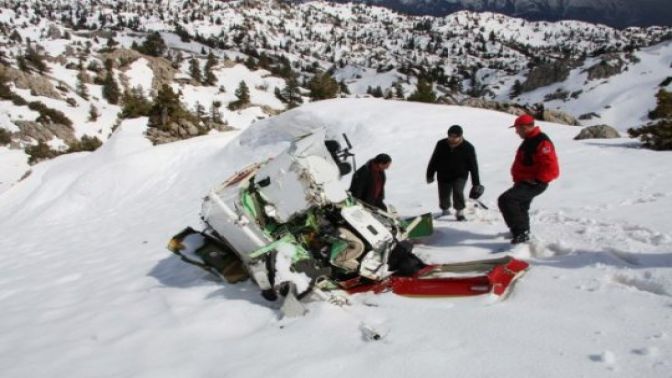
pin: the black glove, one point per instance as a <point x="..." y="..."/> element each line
<point x="476" y="191"/>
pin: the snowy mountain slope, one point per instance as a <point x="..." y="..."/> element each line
<point x="358" y="44"/>
<point x="619" y="100"/>
<point x="616" y="13"/>
<point x="88" y="289"/>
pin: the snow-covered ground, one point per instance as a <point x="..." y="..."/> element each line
<point x="87" y="287"/>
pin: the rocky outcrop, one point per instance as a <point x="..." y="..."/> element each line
<point x="546" y="74"/>
<point x="30" y="130"/>
<point x="39" y="85"/>
<point x="182" y="129"/>
<point x="557" y="116"/>
<point x="598" y="132"/>
<point x="163" y="72"/>
<point x="482" y="103"/>
<point x="610" y="65"/>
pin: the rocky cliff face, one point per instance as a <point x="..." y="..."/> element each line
<point x="615" y="13"/>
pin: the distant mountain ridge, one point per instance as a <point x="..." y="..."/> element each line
<point x="615" y="13"/>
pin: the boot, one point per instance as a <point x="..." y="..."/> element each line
<point x="459" y="215"/>
<point x="520" y="237"/>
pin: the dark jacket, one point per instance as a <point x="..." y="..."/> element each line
<point x="535" y="159"/>
<point x="452" y="163"/>
<point x="362" y="185"/>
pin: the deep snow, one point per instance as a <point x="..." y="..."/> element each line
<point x="87" y="287"/>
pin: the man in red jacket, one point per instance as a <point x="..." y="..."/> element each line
<point x="534" y="167"/>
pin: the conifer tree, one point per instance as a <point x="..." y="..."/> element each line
<point x="215" y="115"/>
<point x="210" y="78"/>
<point x="154" y="45"/>
<point x="290" y="94"/>
<point x="36" y="60"/>
<point x="243" y="95"/>
<point x="111" y="43"/>
<point x="167" y="108"/>
<point x="93" y="113"/>
<point x="657" y="135"/>
<point x="195" y="69"/>
<point x="323" y="86"/>
<point x="516" y="89"/>
<point x="423" y="92"/>
<point x="135" y="104"/>
<point x="82" y="90"/>
<point x="111" y="90"/>
<point x="398" y="90"/>
<point x="200" y="111"/>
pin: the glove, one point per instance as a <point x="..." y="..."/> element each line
<point x="476" y="191"/>
<point x="430" y="180"/>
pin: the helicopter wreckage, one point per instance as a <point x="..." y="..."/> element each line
<point x="290" y="225"/>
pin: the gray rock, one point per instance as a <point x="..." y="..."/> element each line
<point x="609" y="65"/>
<point x="29" y="130"/>
<point x="163" y="72"/>
<point x="39" y="85"/>
<point x="546" y="74"/>
<point x="557" y="116"/>
<point x="482" y="103"/>
<point x="598" y="132"/>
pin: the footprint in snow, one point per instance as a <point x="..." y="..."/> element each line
<point x="607" y="357"/>
<point x="646" y="351"/>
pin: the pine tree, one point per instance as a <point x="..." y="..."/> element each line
<point x="166" y="108"/>
<point x="135" y="104"/>
<point x="516" y="89"/>
<point x="663" y="105"/>
<point x="93" y="113"/>
<point x="657" y="135"/>
<point x="398" y="90"/>
<point x="111" y="43"/>
<point x="5" y="137"/>
<point x="423" y="92"/>
<point x="154" y="45"/>
<point x="455" y="84"/>
<point x="343" y="88"/>
<point x="200" y="111"/>
<point x="82" y="90"/>
<point x="15" y="36"/>
<point x="215" y="115"/>
<point x="195" y="70"/>
<point x="290" y="94"/>
<point x="210" y="78"/>
<point x="33" y="58"/>
<point x="377" y="92"/>
<point x="323" y="86"/>
<point x="111" y="90"/>
<point x="243" y="95"/>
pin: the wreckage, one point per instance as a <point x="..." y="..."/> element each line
<point x="290" y="225"/>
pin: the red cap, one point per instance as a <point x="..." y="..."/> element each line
<point x="523" y="120"/>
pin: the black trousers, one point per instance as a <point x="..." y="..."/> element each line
<point x="515" y="205"/>
<point x="455" y="189"/>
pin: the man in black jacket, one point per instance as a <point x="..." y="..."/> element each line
<point x="368" y="182"/>
<point x="453" y="160"/>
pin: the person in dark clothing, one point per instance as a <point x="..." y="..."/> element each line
<point x="453" y="160"/>
<point x="534" y="166"/>
<point x="368" y="182"/>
